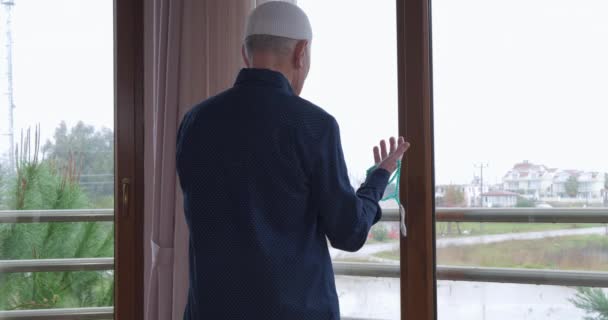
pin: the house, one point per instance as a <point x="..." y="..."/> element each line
<point x="540" y="182"/>
<point x="470" y="193"/>
<point x="499" y="199"/>
<point x="560" y="182"/>
<point x="473" y="192"/>
<point x="591" y="186"/>
<point x="529" y="179"/>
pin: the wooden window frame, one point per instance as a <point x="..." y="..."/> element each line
<point x="129" y="159"/>
<point x="415" y="123"/>
<point x="418" y="280"/>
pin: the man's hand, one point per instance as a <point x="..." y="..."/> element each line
<point x="388" y="160"/>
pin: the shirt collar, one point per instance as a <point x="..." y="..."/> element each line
<point x="263" y="77"/>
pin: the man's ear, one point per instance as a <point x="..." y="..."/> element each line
<point x="300" y="54"/>
<point x="244" y="54"/>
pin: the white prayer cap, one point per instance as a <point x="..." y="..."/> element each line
<point x="281" y="19"/>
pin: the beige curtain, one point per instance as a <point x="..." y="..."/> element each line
<point x="192" y="52"/>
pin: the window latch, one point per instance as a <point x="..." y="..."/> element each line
<point x="125" y="182"/>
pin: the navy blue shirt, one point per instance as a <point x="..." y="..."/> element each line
<point x="265" y="185"/>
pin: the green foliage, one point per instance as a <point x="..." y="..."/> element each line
<point x="524" y="202"/>
<point x="571" y="186"/>
<point x="46" y="185"/>
<point x="593" y="301"/>
<point x="93" y="149"/>
<point x="41" y="186"/>
<point x="379" y="233"/>
<point x="106" y="202"/>
<point x="4" y="181"/>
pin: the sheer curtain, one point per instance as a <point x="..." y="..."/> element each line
<point x="192" y="52"/>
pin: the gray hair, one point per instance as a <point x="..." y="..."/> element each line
<point x="278" y="45"/>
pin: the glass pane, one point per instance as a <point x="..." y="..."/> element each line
<point x="353" y="76"/>
<point x="508" y="92"/>
<point x="369" y="298"/>
<point x="519" y="89"/>
<point x="40" y="290"/>
<point x="459" y="300"/>
<point x="507" y="231"/>
<point x="56" y="147"/>
<point x="565" y="247"/>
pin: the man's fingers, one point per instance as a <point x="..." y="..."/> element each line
<point x="377" y="158"/>
<point x="401" y="149"/>
<point x="392" y="145"/>
<point x="383" y="152"/>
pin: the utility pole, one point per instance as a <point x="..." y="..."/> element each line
<point x="8" y="8"/>
<point x="481" y="166"/>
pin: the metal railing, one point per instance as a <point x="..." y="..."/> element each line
<point x="452" y="273"/>
<point x="56" y="265"/>
<point x="503" y="275"/>
<point x="34" y="216"/>
<point x="102" y="313"/>
<point x="513" y="215"/>
<point x="478" y="274"/>
<point x="520" y="215"/>
<point x="523" y="215"/>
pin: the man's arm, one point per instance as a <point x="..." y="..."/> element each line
<point x="345" y="215"/>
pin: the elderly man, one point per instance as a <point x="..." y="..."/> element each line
<point x="265" y="185"/>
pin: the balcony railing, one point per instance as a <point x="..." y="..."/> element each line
<point x="104" y="313"/>
<point x="32" y="216"/>
<point x="513" y="215"/>
<point x="476" y="274"/>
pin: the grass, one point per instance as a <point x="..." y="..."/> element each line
<point x="589" y="252"/>
<point x="476" y="228"/>
<point x="468" y="229"/>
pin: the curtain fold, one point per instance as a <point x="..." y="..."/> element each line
<point x="192" y="52"/>
<point x="161" y="163"/>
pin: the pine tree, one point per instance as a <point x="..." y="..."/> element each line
<point x="42" y="184"/>
<point x="593" y="301"/>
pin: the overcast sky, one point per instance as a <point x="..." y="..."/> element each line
<point x="513" y="80"/>
<point x="63" y="64"/>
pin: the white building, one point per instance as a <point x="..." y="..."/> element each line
<point x="542" y="183"/>
<point x="472" y="192"/>
<point x="499" y="199"/>
<point x="591" y="186"/>
<point x="529" y="179"/>
<point x="560" y="181"/>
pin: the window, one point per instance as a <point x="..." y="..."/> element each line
<point x="57" y="158"/>
<point x="499" y="62"/>
<point x="353" y="76"/>
<point x="57" y="154"/>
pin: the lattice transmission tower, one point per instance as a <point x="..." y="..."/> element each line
<point x="7" y="6"/>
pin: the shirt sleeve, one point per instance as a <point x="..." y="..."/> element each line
<point x="345" y="215"/>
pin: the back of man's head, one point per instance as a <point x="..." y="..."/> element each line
<point x="262" y="43"/>
<point x="277" y="37"/>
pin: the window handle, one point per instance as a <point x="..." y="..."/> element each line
<point x="125" y="196"/>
